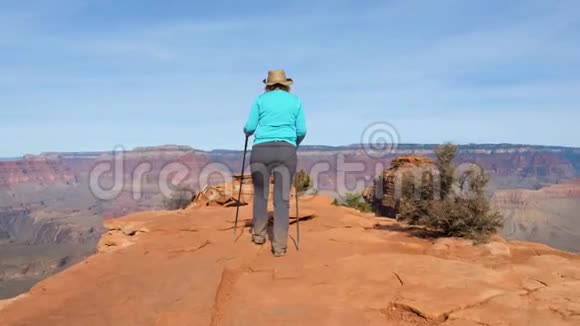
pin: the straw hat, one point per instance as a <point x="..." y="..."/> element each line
<point x="278" y="77"/>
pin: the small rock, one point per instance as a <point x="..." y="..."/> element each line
<point x="132" y="229"/>
<point x="440" y="247"/>
<point x="498" y="249"/>
<point x="113" y="241"/>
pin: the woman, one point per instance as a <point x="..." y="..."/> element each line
<point x="277" y="122"/>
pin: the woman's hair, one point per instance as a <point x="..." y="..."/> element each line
<point x="277" y="86"/>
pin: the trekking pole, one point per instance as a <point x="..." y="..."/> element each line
<point x="241" y="182"/>
<point x="297" y="213"/>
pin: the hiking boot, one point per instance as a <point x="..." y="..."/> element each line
<point x="258" y="240"/>
<point x="279" y="252"/>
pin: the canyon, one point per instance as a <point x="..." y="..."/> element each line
<point x="51" y="216"/>
<point x="549" y="215"/>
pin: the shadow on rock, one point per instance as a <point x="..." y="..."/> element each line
<point x="415" y="231"/>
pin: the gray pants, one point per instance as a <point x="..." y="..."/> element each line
<point x="278" y="159"/>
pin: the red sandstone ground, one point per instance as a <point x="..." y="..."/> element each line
<point x="183" y="268"/>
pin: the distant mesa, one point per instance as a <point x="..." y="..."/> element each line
<point x="165" y="148"/>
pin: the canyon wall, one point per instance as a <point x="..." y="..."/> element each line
<point x="510" y="166"/>
<point x="549" y="215"/>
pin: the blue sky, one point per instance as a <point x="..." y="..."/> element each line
<point x="78" y="75"/>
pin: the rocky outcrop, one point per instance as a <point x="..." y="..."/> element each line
<point x="120" y="235"/>
<point x="184" y="268"/>
<point x="386" y="193"/>
<point x="226" y="194"/>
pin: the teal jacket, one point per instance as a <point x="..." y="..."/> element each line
<point x="277" y="116"/>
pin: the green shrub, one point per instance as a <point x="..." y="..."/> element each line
<point x="179" y="199"/>
<point x="463" y="209"/>
<point x="445" y="155"/>
<point x="303" y="182"/>
<point x="354" y="200"/>
<point x="415" y="198"/>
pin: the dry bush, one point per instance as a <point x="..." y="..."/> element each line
<point x="463" y="209"/>
<point x="303" y="182"/>
<point x="179" y="199"/>
<point x="354" y="200"/>
<point x="416" y="198"/>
